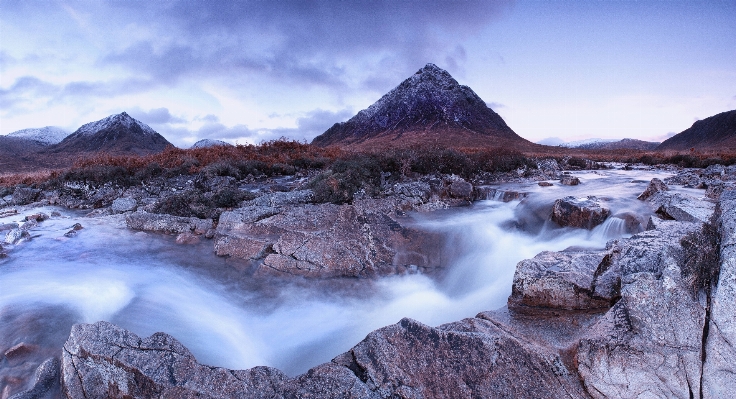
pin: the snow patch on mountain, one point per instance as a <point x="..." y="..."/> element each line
<point x="45" y="135"/>
<point x="121" y="120"/>
<point x="587" y="142"/>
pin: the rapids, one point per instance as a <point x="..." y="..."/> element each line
<point x="147" y="283"/>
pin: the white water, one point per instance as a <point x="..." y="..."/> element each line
<point x="147" y="283"/>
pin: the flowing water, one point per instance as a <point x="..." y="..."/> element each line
<point x="147" y="283"/>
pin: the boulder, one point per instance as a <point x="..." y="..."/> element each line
<point x="45" y="380"/>
<point x="649" y="343"/>
<point x="25" y="195"/>
<point x="122" y="205"/>
<point x="102" y="360"/>
<point x="38" y="217"/>
<point x="15" y="236"/>
<point x="469" y="358"/>
<point x="364" y="239"/>
<point x="682" y="207"/>
<point x="563" y="280"/>
<point x="655" y="186"/>
<point x="579" y="212"/>
<point x="461" y="189"/>
<point x="719" y="367"/>
<point x="569" y="180"/>
<point x="545" y="184"/>
<point x="167" y="223"/>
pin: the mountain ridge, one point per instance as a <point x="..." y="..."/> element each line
<point x="715" y="132"/>
<point x="430" y="106"/>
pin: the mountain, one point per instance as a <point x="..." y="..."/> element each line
<point x="608" y="144"/>
<point x="206" y="143"/>
<point x="117" y="134"/>
<point x="717" y="133"/>
<point x="553" y="141"/>
<point x="45" y="135"/>
<point x="428" y="108"/>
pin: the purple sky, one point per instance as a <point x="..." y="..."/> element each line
<point x="258" y="70"/>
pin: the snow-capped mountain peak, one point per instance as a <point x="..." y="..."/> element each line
<point x="45" y="135"/>
<point x="206" y="143"/>
<point x="122" y="120"/>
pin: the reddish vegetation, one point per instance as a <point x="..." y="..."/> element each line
<point x="288" y="157"/>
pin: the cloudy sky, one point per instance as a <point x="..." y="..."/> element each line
<point x="247" y="71"/>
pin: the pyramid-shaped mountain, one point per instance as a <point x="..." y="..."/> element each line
<point x="430" y="107"/>
<point x="716" y="132"/>
<point x="117" y="134"/>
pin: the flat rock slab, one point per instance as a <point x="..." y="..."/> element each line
<point x="561" y="280"/>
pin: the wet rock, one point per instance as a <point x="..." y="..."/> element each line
<point x="187" y="238"/>
<point x="240" y="217"/>
<point x="8" y="212"/>
<point x="720" y="348"/>
<point x="649" y="343"/>
<point x="38" y="217"/>
<point x="25" y="195"/>
<point x="166" y="223"/>
<point x="545" y="184"/>
<point x="46" y="378"/>
<point x="16" y="235"/>
<point x="104" y="361"/>
<point x="55" y="214"/>
<point x="579" y="212"/>
<point x="29" y="224"/>
<point x="569" y="180"/>
<point x="655" y="186"/>
<point x="563" y="280"/>
<point x="122" y="205"/>
<point x="682" y="207"/>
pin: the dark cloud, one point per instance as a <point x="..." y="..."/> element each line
<point x="26" y="89"/>
<point x="305" y="41"/>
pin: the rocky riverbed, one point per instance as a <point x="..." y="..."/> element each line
<point x="610" y="296"/>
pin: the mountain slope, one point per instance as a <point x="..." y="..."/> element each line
<point x="45" y="135"/>
<point x="629" y="144"/>
<point x="428" y="108"/>
<point x="117" y="134"/>
<point x="716" y="133"/>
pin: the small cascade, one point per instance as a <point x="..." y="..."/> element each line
<point x="613" y="227"/>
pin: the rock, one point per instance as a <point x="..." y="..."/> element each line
<point x="418" y="190"/>
<point x="29" y="224"/>
<point x="466" y="359"/>
<point x="46" y="378"/>
<point x="579" y="212"/>
<point x="19" y="350"/>
<point x="38" y="217"/>
<point x="569" y="180"/>
<point x="187" y="238"/>
<point x="279" y="199"/>
<point x="655" y="186"/>
<point x="16" y="235"/>
<point x="682" y="207"/>
<point x="167" y="223"/>
<point x="545" y="184"/>
<point x="649" y="343"/>
<point x="562" y="280"/>
<point x="8" y="212"/>
<point x="104" y="361"/>
<point x="719" y="367"/>
<point x="327" y="240"/>
<point x="461" y="189"/>
<point x="25" y="195"/>
<point x="122" y="205"/>
<point x="470" y="358"/>
<point x="55" y="214"/>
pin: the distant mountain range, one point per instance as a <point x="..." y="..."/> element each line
<point x="430" y="107"/>
<point x="715" y="133"/>
<point x="45" y="135"/>
<point x="602" y="144"/>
